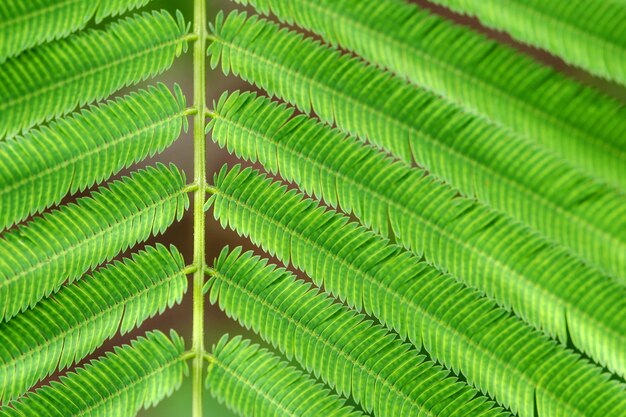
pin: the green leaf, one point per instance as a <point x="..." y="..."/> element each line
<point x="494" y="350"/>
<point x="384" y="375"/>
<point x="574" y="121"/>
<point x="24" y="24"/>
<point x="62" y="330"/>
<point x="36" y="258"/>
<point x="52" y="79"/>
<point x="489" y="251"/>
<point x="254" y="382"/>
<point x="117" y="7"/>
<point x="570" y="208"/>
<point x="590" y="35"/>
<point x="39" y="169"/>
<point x="121" y="383"/>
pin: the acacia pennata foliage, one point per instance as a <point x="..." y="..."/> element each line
<point x="458" y="209"/>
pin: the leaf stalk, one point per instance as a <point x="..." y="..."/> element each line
<point x="199" y="149"/>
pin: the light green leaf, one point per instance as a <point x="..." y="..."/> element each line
<point x="494" y="350"/>
<point x="36" y="258"/>
<point x="52" y="79"/>
<point x="24" y="24"/>
<point x="40" y="168"/>
<point x="62" y="330"/>
<point x="121" y="383"/>
<point x="588" y="34"/>
<point x="489" y="79"/>
<point x="384" y="375"/>
<point x="518" y="268"/>
<point x="254" y="382"/>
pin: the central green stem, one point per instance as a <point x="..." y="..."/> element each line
<point x="199" y="150"/>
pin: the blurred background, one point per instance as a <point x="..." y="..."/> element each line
<point x="181" y="153"/>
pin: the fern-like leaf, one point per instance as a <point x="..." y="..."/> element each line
<point x="591" y="35"/>
<point x="133" y="377"/>
<point x="570" y="208"/>
<point x="36" y="258"/>
<point x="349" y="353"/>
<point x="371" y="103"/>
<point x="495" y="351"/>
<point x="62" y="330"/>
<point x="482" y="248"/>
<point x="24" y="24"/>
<point x="479" y="158"/>
<point x="39" y="169"/>
<point x="52" y="79"/>
<point x="254" y="382"/>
